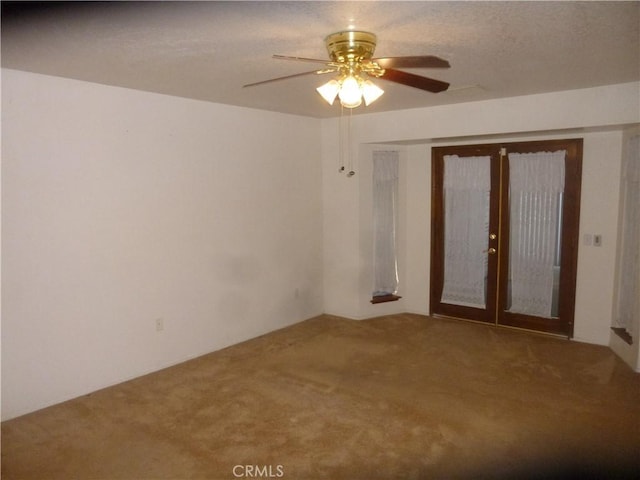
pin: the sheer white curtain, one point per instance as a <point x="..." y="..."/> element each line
<point x="536" y="183"/>
<point x="467" y="186"/>
<point x="627" y="311"/>
<point x="385" y="199"/>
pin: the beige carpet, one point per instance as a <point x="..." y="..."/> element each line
<point x="398" y="397"/>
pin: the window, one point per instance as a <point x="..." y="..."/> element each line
<point x="627" y="303"/>
<point x="385" y="200"/>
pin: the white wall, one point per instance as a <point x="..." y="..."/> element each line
<point x="122" y="207"/>
<point x="597" y="115"/>
<point x="601" y="162"/>
<point x="340" y="231"/>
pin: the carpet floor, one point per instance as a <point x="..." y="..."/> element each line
<point x="395" y="397"/>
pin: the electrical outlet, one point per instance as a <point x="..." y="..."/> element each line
<point x="159" y="324"/>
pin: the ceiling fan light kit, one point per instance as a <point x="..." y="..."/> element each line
<point x="351" y="90"/>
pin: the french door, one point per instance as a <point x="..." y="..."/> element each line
<point x="504" y="236"/>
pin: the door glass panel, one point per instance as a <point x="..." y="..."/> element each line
<point x="536" y="183"/>
<point x="467" y="187"/>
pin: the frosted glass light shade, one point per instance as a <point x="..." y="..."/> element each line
<point x="371" y="92"/>
<point x="351" y="90"/>
<point x="350" y="94"/>
<point x="329" y="91"/>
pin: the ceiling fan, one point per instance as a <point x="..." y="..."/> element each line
<point x="351" y="57"/>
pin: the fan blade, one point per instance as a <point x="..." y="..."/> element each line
<point x="316" y="72"/>
<point x="415" y="81"/>
<point x="425" y="61"/>
<point x="300" y="59"/>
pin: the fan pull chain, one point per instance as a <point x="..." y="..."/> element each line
<point x="345" y="157"/>
<point x="351" y="172"/>
<point x="341" y="166"/>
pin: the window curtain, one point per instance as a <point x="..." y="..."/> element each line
<point x="627" y="309"/>
<point x="385" y="199"/>
<point x="467" y="186"/>
<point x="536" y="183"/>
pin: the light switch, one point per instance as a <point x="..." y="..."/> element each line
<point x="597" y="240"/>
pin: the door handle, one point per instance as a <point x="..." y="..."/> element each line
<point x="493" y="236"/>
<point x="492" y="251"/>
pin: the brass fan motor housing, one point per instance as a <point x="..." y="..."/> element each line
<point x="350" y="46"/>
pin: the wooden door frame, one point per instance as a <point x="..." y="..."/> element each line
<point x="499" y="218"/>
<point x="437" y="240"/>
<point x="563" y="325"/>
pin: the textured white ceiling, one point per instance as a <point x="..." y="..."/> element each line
<point x="209" y="50"/>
